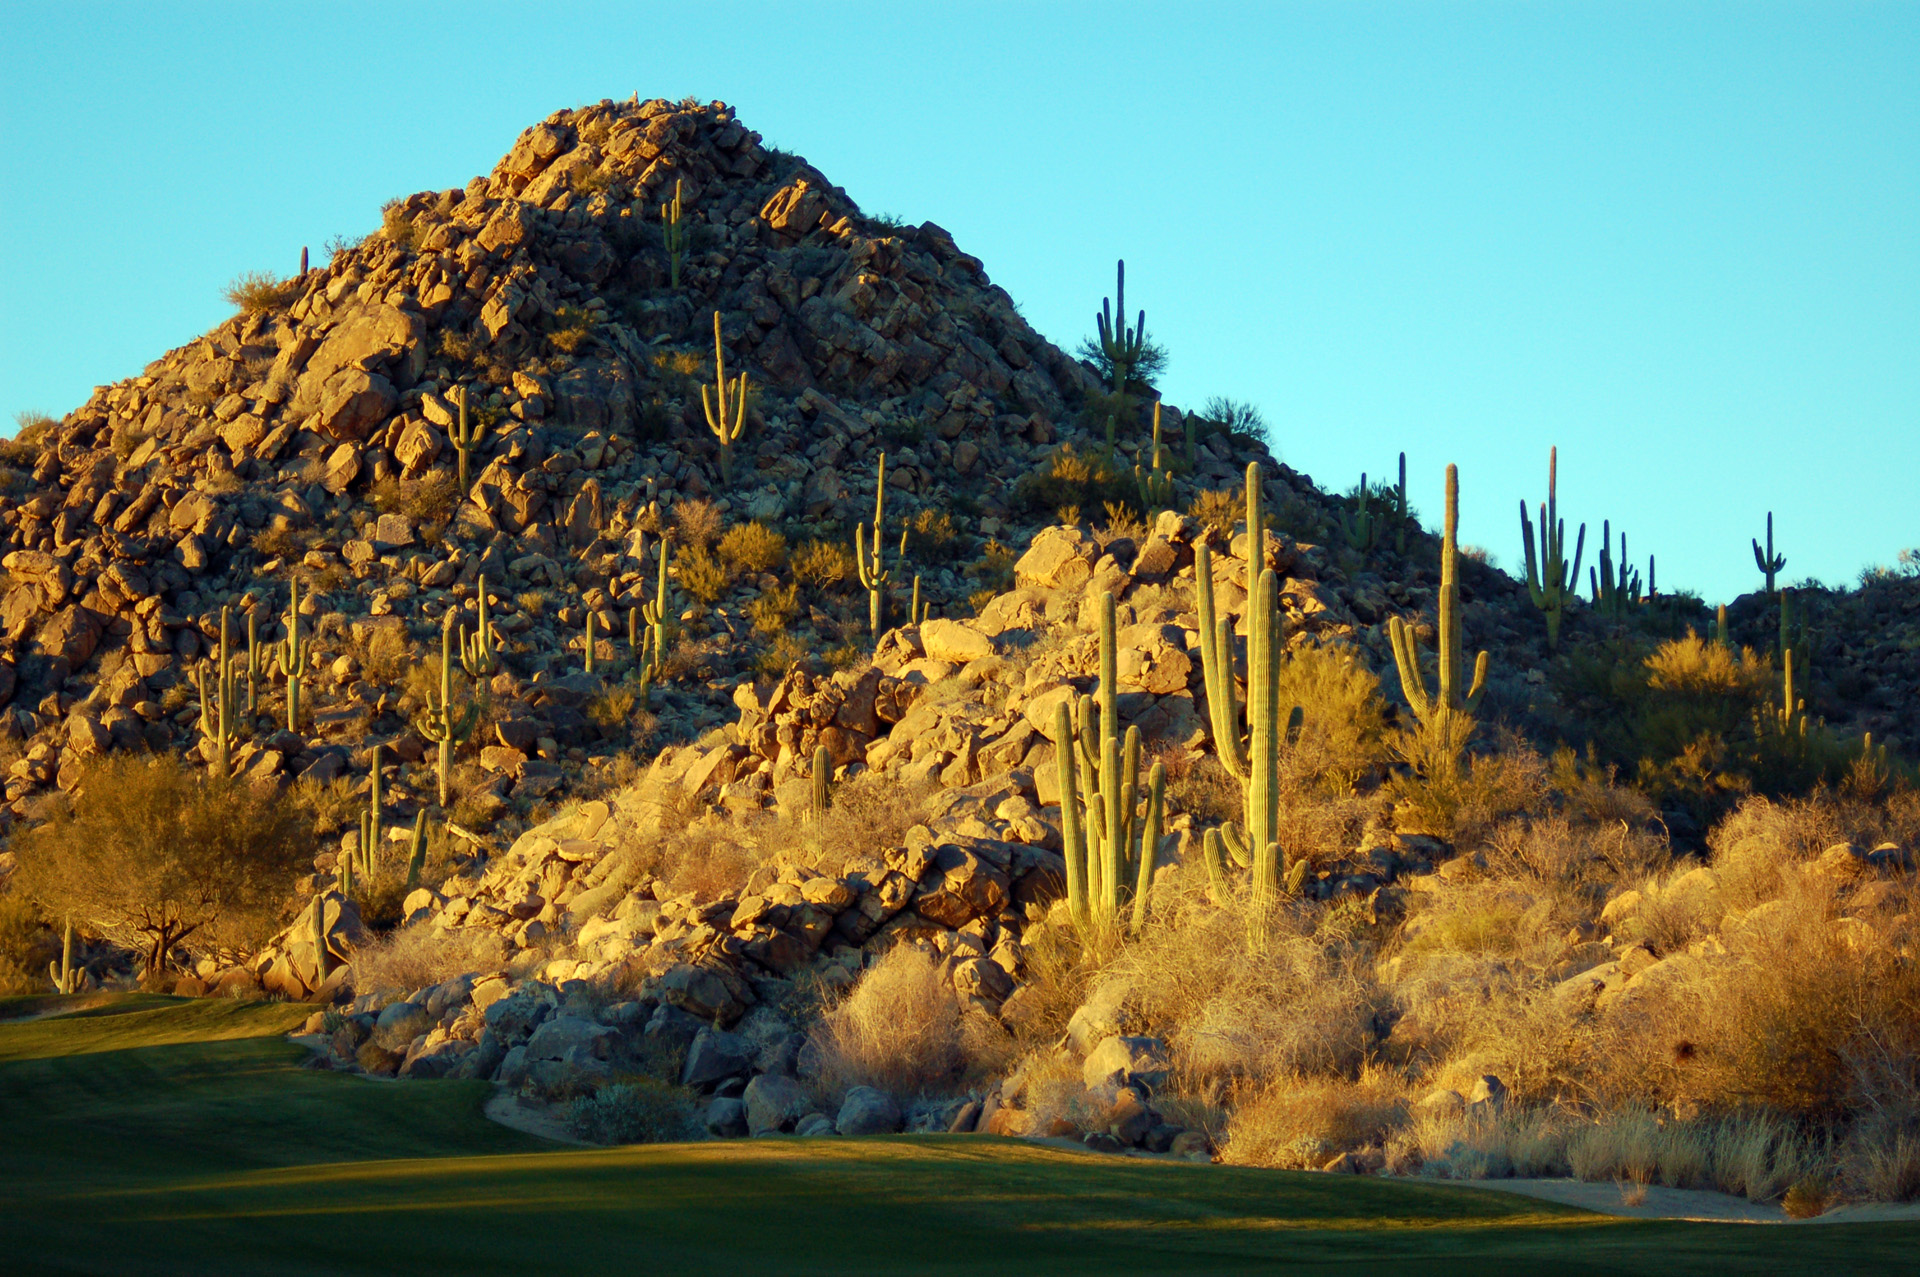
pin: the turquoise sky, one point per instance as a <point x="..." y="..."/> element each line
<point x="1681" y="241"/>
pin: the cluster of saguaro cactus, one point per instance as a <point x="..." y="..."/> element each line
<point x="1767" y="561"/>
<point x="725" y="403"/>
<point x="1361" y="528"/>
<point x="1443" y="712"/>
<point x="465" y="437"/>
<point x="291" y="655"/>
<point x="1253" y="761"/>
<point x="1121" y="345"/>
<point x="673" y="234"/>
<point x="1106" y="838"/>
<point x="1614" y="590"/>
<point x="1551" y="581"/>
<point x="1155" y="480"/>
<point x="66" y="979"/>
<point x="219" y="710"/>
<point x="439" y="724"/>
<point x="822" y="783"/>
<point x="871" y="561"/>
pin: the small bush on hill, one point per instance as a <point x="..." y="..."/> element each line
<point x="900" y="1029"/>
<point x="256" y="291"/>
<point x="641" y="1110"/>
<point x="823" y="564"/>
<point x="753" y="547"/>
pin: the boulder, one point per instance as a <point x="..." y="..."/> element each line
<point x="717" y="1054"/>
<point x="774" y="1103"/>
<point x="867" y="1111"/>
<point x="399" y="1024"/>
<point x="1121" y="1061"/>
<point x="955" y="642"/>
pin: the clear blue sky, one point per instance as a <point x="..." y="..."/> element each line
<point x="1682" y="241"/>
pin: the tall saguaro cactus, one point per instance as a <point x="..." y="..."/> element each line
<point x="1767" y="561"/>
<point x="371" y="817"/>
<point x="673" y="234"/>
<point x="1155" y="480"/>
<point x="291" y="654"/>
<point x="1121" y="345"/>
<point x="725" y="403"/>
<point x="871" y="562"/>
<point x="1109" y="848"/>
<point x="217" y="713"/>
<point x="1550" y="582"/>
<point x="651" y="648"/>
<point x="1441" y="711"/>
<point x="477" y="656"/>
<point x="1614" y="589"/>
<point x="439" y="725"/>
<point x="256" y="663"/>
<point x="65" y="978"/>
<point x="1253" y="761"/>
<point x="466" y="436"/>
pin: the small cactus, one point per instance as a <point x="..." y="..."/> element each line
<point x="65" y="979"/>
<point x="822" y="782"/>
<point x="1361" y="528"/>
<point x="317" y="916"/>
<point x="477" y="656"/>
<point x="590" y="639"/>
<point x="1155" y="481"/>
<point x="218" y="711"/>
<point x="417" y="849"/>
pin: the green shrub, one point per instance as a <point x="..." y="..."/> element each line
<point x="753" y="547"/>
<point x="24" y="947"/>
<point x="642" y="1110"/>
<point x="701" y="575"/>
<point x="1085" y="480"/>
<point x="823" y="564"/>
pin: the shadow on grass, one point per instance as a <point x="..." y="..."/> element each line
<point x="220" y="1153"/>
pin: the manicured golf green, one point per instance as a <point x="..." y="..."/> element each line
<point x="156" y="1135"/>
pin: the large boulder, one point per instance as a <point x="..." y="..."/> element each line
<point x="867" y="1111"/>
<point x="1127" y="1061"/>
<point x="774" y="1103"/>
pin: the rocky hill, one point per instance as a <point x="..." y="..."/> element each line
<point x="309" y="438"/>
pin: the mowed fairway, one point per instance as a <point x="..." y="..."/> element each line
<point x="154" y="1135"/>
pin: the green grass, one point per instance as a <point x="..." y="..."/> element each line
<point x="155" y="1135"/>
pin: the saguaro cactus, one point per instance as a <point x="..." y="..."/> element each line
<point x="871" y="562"/>
<point x="291" y="655"/>
<point x="370" y="818"/>
<point x="1110" y="850"/>
<point x="466" y="436"/>
<point x="1360" y="529"/>
<point x="590" y="637"/>
<point x="1255" y="760"/>
<point x="1550" y="581"/>
<point x="477" y="656"/>
<point x="417" y="849"/>
<point x="653" y="644"/>
<point x="65" y="979"/>
<point x="725" y="403"/>
<point x="217" y="712"/>
<point x="673" y="234"/>
<point x="1440" y="712"/>
<point x="317" y="918"/>
<point x="256" y="663"/>
<point x="439" y="724"/>
<point x="1767" y="561"/>
<point x="1614" y="589"/>
<point x="1155" y="481"/>
<point x="1121" y="345"/>
<point x="822" y="782"/>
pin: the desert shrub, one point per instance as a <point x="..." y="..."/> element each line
<point x="784" y="651"/>
<point x="612" y="710"/>
<point x="388" y="659"/>
<point x="1481" y="1144"/>
<point x="773" y="610"/>
<point x="1464" y="799"/>
<point x="823" y="564"/>
<point x="1233" y="416"/>
<point x="1074" y="479"/>
<point x="753" y="547"/>
<point x="279" y="543"/>
<point x="421" y="955"/>
<point x="1298" y="1123"/>
<point x="153" y="848"/>
<point x="1755" y="1155"/>
<point x="931" y="536"/>
<point x="697" y="522"/>
<point x="993" y="570"/>
<point x="1342" y="722"/>
<point x="396" y="224"/>
<point x="1123" y="522"/>
<point x="1218" y="511"/>
<point x="1243" y="992"/>
<point x="899" y="1029"/>
<point x="642" y="1110"/>
<point x="331" y="806"/>
<point x="569" y="328"/>
<point x="25" y="947"/>
<point x="427" y="499"/>
<point x="701" y="575"/>
<point x="255" y="291"/>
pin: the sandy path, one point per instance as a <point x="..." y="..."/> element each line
<point x="1686" y="1203"/>
<point x="539" y="1120"/>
